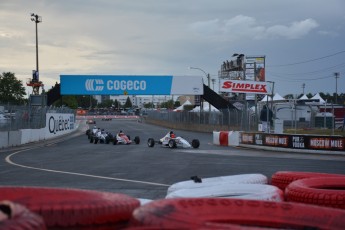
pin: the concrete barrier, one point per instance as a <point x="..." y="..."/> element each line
<point x="57" y="124"/>
<point x="4" y="139"/>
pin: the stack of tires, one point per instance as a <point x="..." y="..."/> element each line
<point x="323" y="189"/>
<point x="309" y="201"/>
<point x="54" y="208"/>
<point x="288" y="200"/>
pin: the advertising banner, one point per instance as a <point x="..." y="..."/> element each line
<point x="236" y="86"/>
<point x="130" y="85"/>
<point x="294" y="141"/>
<point x="255" y="68"/>
<point x="58" y="124"/>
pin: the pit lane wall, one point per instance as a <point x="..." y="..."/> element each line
<point x="57" y="124"/>
<point x="281" y="142"/>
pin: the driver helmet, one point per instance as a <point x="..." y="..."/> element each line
<point x="172" y="135"/>
<point x="120" y="131"/>
<point x="95" y="127"/>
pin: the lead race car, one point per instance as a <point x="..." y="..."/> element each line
<point x="171" y="141"/>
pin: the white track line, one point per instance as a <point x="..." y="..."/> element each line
<point x="8" y="160"/>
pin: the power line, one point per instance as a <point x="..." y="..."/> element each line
<point x="312" y="72"/>
<point x="307" y="61"/>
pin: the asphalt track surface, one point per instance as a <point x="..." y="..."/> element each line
<point x="139" y="171"/>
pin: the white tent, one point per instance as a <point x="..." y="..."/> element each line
<point x="318" y="97"/>
<point x="304" y="97"/>
<point x="276" y="97"/>
<point x="181" y="107"/>
<point x="205" y="108"/>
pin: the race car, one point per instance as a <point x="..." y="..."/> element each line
<point x="171" y="141"/>
<point x="97" y="135"/>
<point x="121" y="138"/>
<point x="90" y="121"/>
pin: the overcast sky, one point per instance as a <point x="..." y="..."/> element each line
<point x="303" y="40"/>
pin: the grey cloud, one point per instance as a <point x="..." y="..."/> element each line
<point x="245" y="27"/>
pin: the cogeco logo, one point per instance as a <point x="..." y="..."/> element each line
<point x="126" y="85"/>
<point x="94" y="84"/>
<point x="58" y="125"/>
<point x="98" y="85"/>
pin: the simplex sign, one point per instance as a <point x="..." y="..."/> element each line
<point x="235" y="86"/>
<point x="130" y="85"/>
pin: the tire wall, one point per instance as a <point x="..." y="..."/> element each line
<point x="57" y="124"/>
<point x="226" y="138"/>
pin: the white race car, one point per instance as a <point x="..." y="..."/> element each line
<point x="174" y="142"/>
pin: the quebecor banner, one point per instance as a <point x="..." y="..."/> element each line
<point x="236" y="86"/>
<point x="130" y="85"/>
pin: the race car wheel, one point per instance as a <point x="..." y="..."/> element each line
<point x="107" y="140"/>
<point x="136" y="140"/>
<point x="96" y="140"/>
<point x="151" y="142"/>
<point x="282" y="179"/>
<point x="73" y="208"/>
<point x="172" y="143"/>
<point x="91" y="139"/>
<point x="322" y="191"/>
<point x="14" y="216"/>
<point x="198" y="213"/>
<point x="195" y="143"/>
<point x="115" y="141"/>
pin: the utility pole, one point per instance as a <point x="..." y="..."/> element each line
<point x="336" y="75"/>
<point x="303" y="86"/>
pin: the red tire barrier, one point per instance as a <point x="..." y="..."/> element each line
<point x="282" y="179"/>
<point x="73" y="207"/>
<point x="17" y="217"/>
<point x="322" y="191"/>
<point x="224" y="138"/>
<point x="197" y="213"/>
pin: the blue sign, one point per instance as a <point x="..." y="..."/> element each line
<point x="115" y="85"/>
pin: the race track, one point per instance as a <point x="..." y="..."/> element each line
<point x="140" y="171"/>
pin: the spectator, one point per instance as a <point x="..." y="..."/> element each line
<point x="266" y="113"/>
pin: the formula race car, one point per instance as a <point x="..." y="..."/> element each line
<point x="101" y="137"/>
<point x="173" y="142"/>
<point x="121" y="138"/>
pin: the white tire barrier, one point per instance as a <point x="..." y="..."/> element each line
<point x="226" y="138"/>
<point x="211" y="181"/>
<point x="238" y="191"/>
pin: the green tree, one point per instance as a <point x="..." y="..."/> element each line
<point x="168" y="104"/>
<point x="148" y="105"/>
<point x="69" y="101"/>
<point x="117" y="104"/>
<point x="106" y="103"/>
<point x="11" y="89"/>
<point x="128" y="103"/>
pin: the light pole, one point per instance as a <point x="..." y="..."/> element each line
<point x="37" y="19"/>
<point x="336" y="75"/>
<point x="208" y="82"/>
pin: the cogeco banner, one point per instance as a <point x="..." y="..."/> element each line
<point x="130" y="85"/>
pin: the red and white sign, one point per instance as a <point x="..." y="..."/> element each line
<point x="235" y="86"/>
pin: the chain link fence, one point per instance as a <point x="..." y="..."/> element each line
<point x="247" y="119"/>
<point x="15" y="117"/>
